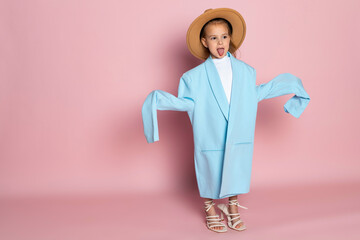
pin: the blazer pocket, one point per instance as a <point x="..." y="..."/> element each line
<point x="211" y="150"/>
<point x="243" y="140"/>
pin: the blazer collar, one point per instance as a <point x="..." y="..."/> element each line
<point x="217" y="87"/>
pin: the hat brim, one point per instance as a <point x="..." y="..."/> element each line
<point x="193" y="34"/>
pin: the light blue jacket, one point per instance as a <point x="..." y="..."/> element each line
<point x="223" y="134"/>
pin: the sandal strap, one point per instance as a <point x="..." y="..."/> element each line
<point x="213" y="221"/>
<point x="217" y="225"/>
<point x="237" y="223"/>
<point x="233" y="214"/>
<point x="213" y="218"/>
<point x="217" y="222"/>
<point x="232" y="219"/>
<point x="208" y="205"/>
<point x="235" y="202"/>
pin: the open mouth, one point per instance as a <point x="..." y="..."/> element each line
<point x="220" y="51"/>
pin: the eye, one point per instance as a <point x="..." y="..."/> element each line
<point x="225" y="37"/>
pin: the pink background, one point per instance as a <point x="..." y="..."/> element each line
<point x="74" y="160"/>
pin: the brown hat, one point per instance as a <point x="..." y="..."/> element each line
<point x="193" y="34"/>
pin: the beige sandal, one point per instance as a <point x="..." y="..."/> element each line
<point x="225" y="209"/>
<point x="214" y="221"/>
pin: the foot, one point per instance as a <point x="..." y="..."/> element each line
<point x="211" y="212"/>
<point x="234" y="209"/>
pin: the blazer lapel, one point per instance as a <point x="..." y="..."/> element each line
<point x="237" y="85"/>
<point x="217" y="87"/>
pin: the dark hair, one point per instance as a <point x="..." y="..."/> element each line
<point x="232" y="48"/>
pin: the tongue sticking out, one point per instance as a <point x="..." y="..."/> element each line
<point x="220" y="51"/>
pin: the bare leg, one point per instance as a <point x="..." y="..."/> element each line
<point x="212" y="212"/>
<point x="234" y="209"/>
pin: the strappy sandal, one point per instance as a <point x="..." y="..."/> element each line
<point x="214" y="221"/>
<point x="225" y="209"/>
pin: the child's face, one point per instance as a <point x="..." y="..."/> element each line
<point x="216" y="39"/>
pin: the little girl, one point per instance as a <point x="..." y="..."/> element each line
<point x="221" y="97"/>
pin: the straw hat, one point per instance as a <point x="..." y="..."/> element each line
<point x="193" y="34"/>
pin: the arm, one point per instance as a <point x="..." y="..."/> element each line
<point x="161" y="100"/>
<point x="283" y="84"/>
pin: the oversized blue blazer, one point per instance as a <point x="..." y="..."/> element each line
<point x="223" y="133"/>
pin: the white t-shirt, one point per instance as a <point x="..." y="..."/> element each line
<point x="223" y="66"/>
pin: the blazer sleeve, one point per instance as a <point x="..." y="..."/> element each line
<point x="161" y="100"/>
<point x="283" y="84"/>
